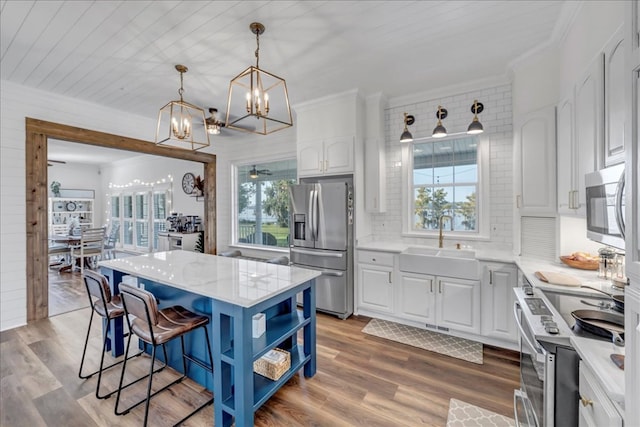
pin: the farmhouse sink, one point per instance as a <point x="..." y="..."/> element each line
<point x="440" y="262"/>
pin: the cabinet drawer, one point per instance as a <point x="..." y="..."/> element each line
<point x="594" y="405"/>
<point x="373" y="257"/>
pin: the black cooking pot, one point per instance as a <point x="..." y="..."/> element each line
<point x="601" y="323"/>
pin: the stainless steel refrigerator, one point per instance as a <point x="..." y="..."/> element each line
<point x="321" y="225"/>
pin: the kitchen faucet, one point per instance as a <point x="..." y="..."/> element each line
<point x="441" y="236"/>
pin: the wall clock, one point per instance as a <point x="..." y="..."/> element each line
<point x="71" y="206"/>
<point x="188" y="182"/>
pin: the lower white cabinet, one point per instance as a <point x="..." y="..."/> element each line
<point x="498" y="281"/>
<point x="375" y="281"/>
<point x="416" y="299"/>
<point x="441" y="302"/>
<point x="595" y="408"/>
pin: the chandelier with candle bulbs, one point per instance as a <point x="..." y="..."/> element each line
<point x="258" y="101"/>
<point x="181" y="124"/>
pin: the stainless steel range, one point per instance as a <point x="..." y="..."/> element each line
<point x="548" y="394"/>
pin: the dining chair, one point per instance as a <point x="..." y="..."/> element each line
<point x="110" y="242"/>
<point x="91" y="246"/>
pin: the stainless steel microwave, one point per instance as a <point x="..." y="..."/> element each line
<point x="605" y="206"/>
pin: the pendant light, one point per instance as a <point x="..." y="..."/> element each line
<point x="258" y="101"/>
<point x="406" y="135"/>
<point x="439" y="131"/>
<point x="476" y="127"/>
<point x="180" y="124"/>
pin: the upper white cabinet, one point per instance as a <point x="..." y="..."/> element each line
<point x="535" y="161"/>
<point x="374" y="155"/>
<point x="580" y="128"/>
<point x="614" y="100"/>
<point x="331" y="156"/>
<point x="566" y="146"/>
<point x="327" y="130"/>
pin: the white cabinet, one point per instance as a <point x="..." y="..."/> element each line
<point x="331" y="156"/>
<point x="458" y="304"/>
<point x="580" y="127"/>
<point x="375" y="177"/>
<point x="417" y="299"/>
<point x="588" y="126"/>
<point x="614" y="101"/>
<point x="535" y="162"/>
<point x="498" y="281"/>
<point x="566" y="146"/>
<point x="595" y="408"/>
<point x="441" y="302"/>
<point x="375" y="281"/>
<point x="170" y="241"/>
<point x="62" y="211"/>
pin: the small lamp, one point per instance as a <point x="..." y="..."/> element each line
<point x="476" y="127"/>
<point x="406" y="135"/>
<point x="439" y="131"/>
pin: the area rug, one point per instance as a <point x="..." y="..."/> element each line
<point x="463" y="414"/>
<point x="459" y="348"/>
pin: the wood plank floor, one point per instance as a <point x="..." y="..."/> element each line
<point x="361" y="381"/>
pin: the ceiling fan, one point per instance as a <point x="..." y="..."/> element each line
<point x="214" y="125"/>
<point x="254" y="173"/>
<point x="51" y="162"/>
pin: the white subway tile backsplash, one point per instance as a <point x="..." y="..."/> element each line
<point x="497" y="121"/>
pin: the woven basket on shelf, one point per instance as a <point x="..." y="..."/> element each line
<point x="273" y="364"/>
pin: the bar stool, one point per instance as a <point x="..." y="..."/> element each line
<point x="108" y="307"/>
<point x="157" y="327"/>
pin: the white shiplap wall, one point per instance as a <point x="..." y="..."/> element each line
<point x="16" y="103"/>
<point x="497" y="121"/>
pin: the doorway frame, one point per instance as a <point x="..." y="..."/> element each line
<point x="37" y="134"/>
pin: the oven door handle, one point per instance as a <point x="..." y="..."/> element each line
<point x="540" y="357"/>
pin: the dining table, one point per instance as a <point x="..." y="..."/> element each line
<point x="69" y="241"/>
<point x="232" y="292"/>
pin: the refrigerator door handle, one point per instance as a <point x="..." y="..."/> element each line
<point x="316" y="253"/>
<point x="310" y="215"/>
<point x="314" y="208"/>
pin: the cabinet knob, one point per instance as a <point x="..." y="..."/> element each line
<point x="585" y="401"/>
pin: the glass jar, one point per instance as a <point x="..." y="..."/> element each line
<point x="606" y="263"/>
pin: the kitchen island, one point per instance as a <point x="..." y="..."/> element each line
<point x="230" y="291"/>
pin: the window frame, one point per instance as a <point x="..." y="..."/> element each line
<point x="234" y="203"/>
<point x="482" y="198"/>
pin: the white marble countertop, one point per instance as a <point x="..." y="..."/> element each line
<point x="397" y="247"/>
<point x="237" y="281"/>
<point x="596" y="355"/>
<point x="528" y="266"/>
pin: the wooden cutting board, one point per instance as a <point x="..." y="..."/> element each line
<point x="557" y="278"/>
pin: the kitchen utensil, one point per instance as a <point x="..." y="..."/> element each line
<point x="557" y="278"/>
<point x="582" y="265"/>
<point x="618" y="300"/>
<point x="601" y="323"/>
<point x="618" y="359"/>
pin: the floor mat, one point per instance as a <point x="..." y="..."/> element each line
<point x="459" y="348"/>
<point x="463" y="414"/>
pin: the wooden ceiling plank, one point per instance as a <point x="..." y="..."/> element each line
<point x="12" y="18"/>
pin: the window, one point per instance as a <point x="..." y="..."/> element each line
<point x="262" y="201"/>
<point x="115" y="215"/>
<point x="159" y="215"/>
<point x="141" y="214"/>
<point x="445" y="179"/>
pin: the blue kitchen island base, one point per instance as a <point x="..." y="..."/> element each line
<point x="238" y="391"/>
